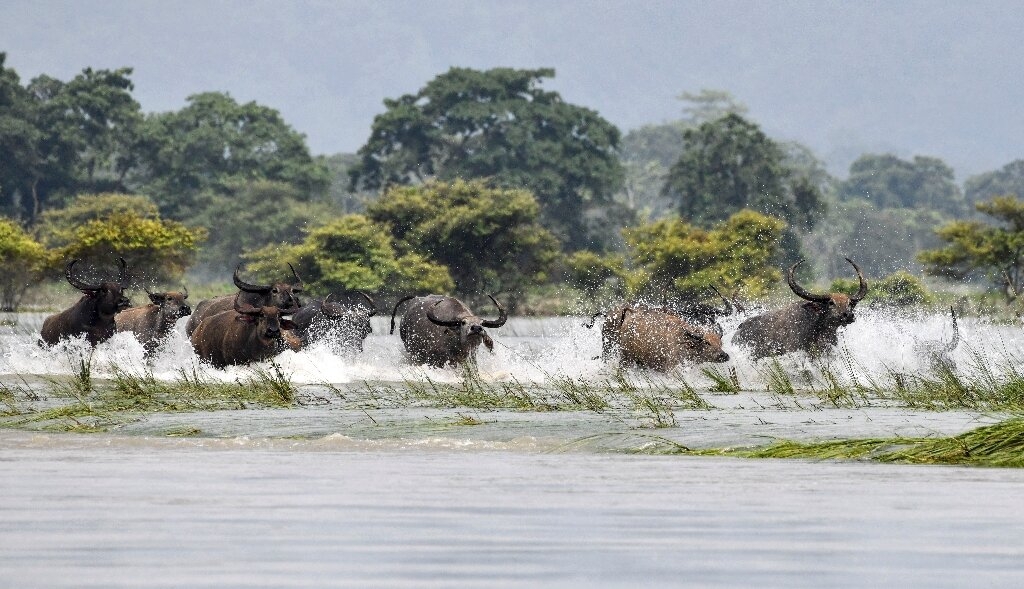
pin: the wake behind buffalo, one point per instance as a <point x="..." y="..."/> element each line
<point x="259" y="321"/>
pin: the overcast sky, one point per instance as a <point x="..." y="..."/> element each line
<point x="912" y="78"/>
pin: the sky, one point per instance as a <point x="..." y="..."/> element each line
<point x="933" y="78"/>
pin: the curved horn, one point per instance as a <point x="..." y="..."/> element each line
<point x="294" y="274"/>
<point x="622" y="316"/>
<point x="184" y="291"/>
<point x="246" y="286"/>
<point x="728" y="305"/>
<point x="433" y="318"/>
<point x="246" y="308"/>
<point x="956" y="332"/>
<point x="69" y="274"/>
<point x="502" y="315"/>
<point x="395" y="310"/>
<point x="863" y="290"/>
<point x="147" y="290"/>
<point x="124" y="271"/>
<point x="373" y="304"/>
<point x="593" y="319"/>
<point x="331" y="312"/>
<point x="799" y="290"/>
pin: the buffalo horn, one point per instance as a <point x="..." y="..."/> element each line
<point x="69" y="274"/>
<point x="956" y="333"/>
<point x="593" y="319"/>
<point x="373" y="304"/>
<point x="298" y="281"/>
<point x="184" y="291"/>
<point x="246" y="308"/>
<point x="728" y="306"/>
<point x="502" y="315"/>
<point x="249" y="287"/>
<point x="863" y="290"/>
<point x="395" y="310"/>
<point x="123" y="274"/>
<point x="800" y="292"/>
<point x="332" y="310"/>
<point x="450" y="323"/>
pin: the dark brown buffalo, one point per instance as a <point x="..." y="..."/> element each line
<point x="93" y="314"/>
<point x="283" y="295"/>
<point x="661" y="340"/>
<point x="811" y="326"/>
<point x="440" y="330"/>
<point x="703" y="314"/>
<point x="344" y="326"/>
<point x="153" y="322"/>
<point x="241" y="335"/>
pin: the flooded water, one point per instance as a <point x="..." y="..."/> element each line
<point x="343" y="492"/>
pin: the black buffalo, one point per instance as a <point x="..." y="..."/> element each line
<point x="342" y="325"/>
<point x="242" y="334"/>
<point x="440" y="330"/>
<point x="153" y="322"/>
<point x="93" y="314"/>
<point x="811" y="325"/>
<point x="283" y="295"/>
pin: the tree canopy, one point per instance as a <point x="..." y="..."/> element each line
<point x="992" y="249"/>
<point x="22" y="263"/>
<point x="674" y="257"/>
<point x="888" y="182"/>
<point x="215" y="141"/>
<point x="1008" y="180"/>
<point x="489" y="238"/>
<point x="353" y="253"/>
<point x="729" y="164"/>
<point x="498" y="124"/>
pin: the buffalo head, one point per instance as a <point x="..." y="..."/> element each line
<point x="836" y="308"/>
<point x="109" y="296"/>
<point x="283" y="295"/>
<point x="470" y="328"/>
<point x="171" y="304"/>
<point x="269" y="321"/>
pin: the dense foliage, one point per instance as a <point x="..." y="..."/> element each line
<point x="1008" y="180"/>
<point x="499" y="124"/>
<point x="22" y="263"/>
<point x="890" y="182"/>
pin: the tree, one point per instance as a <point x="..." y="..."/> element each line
<point x="993" y="249"/>
<point x="215" y="141"/>
<point x="490" y="239"/>
<point x="353" y="253"/>
<point x="22" y="263"/>
<point x="676" y="257"/>
<point x="245" y="215"/>
<point x="591" y="272"/>
<point x="727" y="165"/>
<point x="105" y="226"/>
<point x="340" y="193"/>
<point x="498" y="124"/>
<point x="1008" y="180"/>
<point x="889" y="182"/>
<point x="61" y="138"/>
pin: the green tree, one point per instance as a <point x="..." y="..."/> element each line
<point x="489" y="238"/>
<point x="991" y="249"/>
<point x="1008" y="180"/>
<point x="729" y="164"/>
<point x="215" y="141"/>
<point x="340" y="193"/>
<point x="353" y="253"/>
<point x="899" y="289"/>
<point x="104" y="226"/>
<point x="592" y="272"/>
<point x="22" y="263"/>
<point x="245" y="215"/>
<point x="673" y="255"/>
<point x="498" y="124"/>
<point x="890" y="182"/>
<point x="61" y="138"/>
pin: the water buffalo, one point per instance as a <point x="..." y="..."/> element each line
<point x="93" y="314"/>
<point x="151" y="323"/>
<point x="282" y="295"/>
<point x="343" y="325"/>
<point x="241" y="335"/>
<point x="810" y="326"/>
<point x="704" y="314"/>
<point x="439" y="330"/>
<point x="661" y="340"/>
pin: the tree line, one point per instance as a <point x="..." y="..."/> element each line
<point x="479" y="181"/>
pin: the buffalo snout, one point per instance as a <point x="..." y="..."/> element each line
<point x="476" y="329"/>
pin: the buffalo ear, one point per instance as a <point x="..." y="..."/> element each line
<point x="287" y="324"/>
<point x="156" y="299"/>
<point x="245" y="318"/>
<point x="489" y="343"/>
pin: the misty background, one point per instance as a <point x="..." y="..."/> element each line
<point x="909" y="78"/>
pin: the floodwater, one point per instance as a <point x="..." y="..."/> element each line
<point x="332" y="493"/>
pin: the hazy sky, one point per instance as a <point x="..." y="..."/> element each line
<point x="929" y="78"/>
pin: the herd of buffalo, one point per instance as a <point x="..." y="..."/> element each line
<point x="261" y="320"/>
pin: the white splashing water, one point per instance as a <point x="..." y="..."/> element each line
<point x="530" y="350"/>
